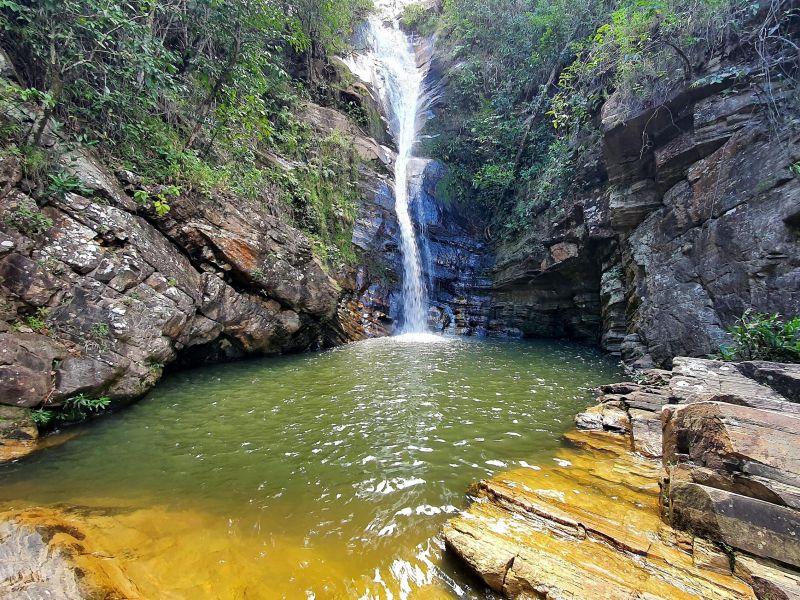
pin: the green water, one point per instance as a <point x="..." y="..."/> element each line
<point x="342" y="465"/>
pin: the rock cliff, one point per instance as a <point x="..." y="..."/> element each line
<point x="99" y="293"/>
<point x="683" y="215"/>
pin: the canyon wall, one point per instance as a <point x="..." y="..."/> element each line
<point x="687" y="216"/>
<point x="99" y="293"/>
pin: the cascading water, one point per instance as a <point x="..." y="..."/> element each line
<point x="389" y="63"/>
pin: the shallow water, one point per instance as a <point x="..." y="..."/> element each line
<point x="317" y="475"/>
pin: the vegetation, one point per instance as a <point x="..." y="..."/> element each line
<point x="36" y="322"/>
<point x="74" y="410"/>
<point x="527" y="80"/>
<point x="760" y="336"/>
<point x="200" y="94"/>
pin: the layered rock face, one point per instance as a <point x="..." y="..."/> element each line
<point x="688" y="219"/>
<point x="121" y="295"/>
<point x="455" y="260"/>
<point x="717" y="517"/>
<point x="98" y="293"/>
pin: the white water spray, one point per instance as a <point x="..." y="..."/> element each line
<point x="389" y="63"/>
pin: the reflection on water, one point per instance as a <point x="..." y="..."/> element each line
<point x="320" y="475"/>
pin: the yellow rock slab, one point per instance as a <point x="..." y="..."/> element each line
<point x="586" y="527"/>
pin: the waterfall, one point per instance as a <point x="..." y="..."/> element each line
<point x="389" y="63"/>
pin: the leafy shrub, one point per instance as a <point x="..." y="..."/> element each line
<point x="764" y="337"/>
<point x="62" y="183"/>
<point x="42" y="417"/>
<point x="416" y="18"/>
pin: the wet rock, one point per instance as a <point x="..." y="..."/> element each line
<point x="729" y="486"/>
<point x="18" y="434"/>
<point x="604" y="417"/>
<point x="43" y="554"/>
<point x="587" y="529"/>
<point x="29" y="570"/>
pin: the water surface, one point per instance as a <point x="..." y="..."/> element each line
<point x="321" y="475"/>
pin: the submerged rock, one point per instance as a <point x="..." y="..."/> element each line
<point x="18" y="433"/>
<point x="43" y="555"/>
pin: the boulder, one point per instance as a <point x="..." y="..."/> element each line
<point x="731" y="438"/>
<point x="585" y="530"/>
<point x="754" y="526"/>
<point x="783" y="378"/>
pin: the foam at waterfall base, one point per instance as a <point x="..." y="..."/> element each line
<point x="420" y="338"/>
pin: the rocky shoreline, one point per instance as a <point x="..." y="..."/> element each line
<point x="684" y="485"/>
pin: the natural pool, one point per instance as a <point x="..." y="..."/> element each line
<point x="321" y="475"/>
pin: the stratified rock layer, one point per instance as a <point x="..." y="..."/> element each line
<point x="719" y="519"/>
<point x="587" y="528"/>
<point x="686" y="216"/>
<point x="98" y="293"/>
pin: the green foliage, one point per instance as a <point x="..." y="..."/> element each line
<point x="35" y="162"/>
<point x="527" y="79"/>
<point x="36" y="322"/>
<point x="42" y="417"/>
<point x="492" y="139"/>
<point x="328" y="24"/>
<point x="194" y="97"/>
<point x="645" y="49"/>
<point x="100" y="330"/>
<point x="187" y="86"/>
<point x="417" y="18"/>
<point x="764" y="337"/>
<point x="74" y="410"/>
<point x="28" y="220"/>
<point x="62" y="183"/>
<point x="323" y="195"/>
<point x="257" y="275"/>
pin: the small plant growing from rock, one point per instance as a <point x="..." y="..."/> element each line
<point x="28" y="221"/>
<point x="160" y="201"/>
<point x="257" y="275"/>
<point x="759" y="336"/>
<point x="63" y="183"/>
<point x="42" y="417"/>
<point x="74" y="410"/>
<point x="100" y="330"/>
<point x="36" y="322"/>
